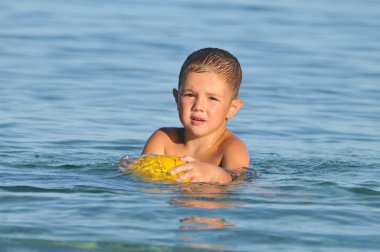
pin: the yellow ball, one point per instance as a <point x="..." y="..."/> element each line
<point x="156" y="168"/>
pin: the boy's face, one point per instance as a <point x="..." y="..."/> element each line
<point x="204" y="103"/>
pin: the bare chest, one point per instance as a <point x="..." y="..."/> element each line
<point x="211" y="155"/>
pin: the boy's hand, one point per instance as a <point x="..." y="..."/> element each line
<point x="197" y="171"/>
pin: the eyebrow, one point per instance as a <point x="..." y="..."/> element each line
<point x="209" y="93"/>
<point x="213" y="94"/>
<point x="187" y="90"/>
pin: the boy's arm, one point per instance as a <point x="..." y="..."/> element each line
<point x="235" y="161"/>
<point x="155" y="144"/>
<point x="236" y="158"/>
<point x="235" y="155"/>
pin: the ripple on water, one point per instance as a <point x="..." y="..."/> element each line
<point x="364" y="191"/>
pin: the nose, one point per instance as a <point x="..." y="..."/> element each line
<point x="199" y="104"/>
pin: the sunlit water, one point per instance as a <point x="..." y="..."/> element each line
<point x="84" y="83"/>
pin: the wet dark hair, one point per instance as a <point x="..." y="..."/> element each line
<point x="213" y="60"/>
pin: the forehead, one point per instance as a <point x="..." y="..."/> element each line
<point x="208" y="81"/>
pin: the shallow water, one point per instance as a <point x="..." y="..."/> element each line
<point x="84" y="83"/>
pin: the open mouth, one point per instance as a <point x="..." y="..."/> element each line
<point x="197" y="120"/>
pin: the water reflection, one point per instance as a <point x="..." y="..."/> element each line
<point x="203" y="203"/>
<point x="209" y="196"/>
<point x="201" y="245"/>
<point x="200" y="223"/>
<point x="205" y="196"/>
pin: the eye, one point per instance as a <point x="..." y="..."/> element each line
<point x="212" y="98"/>
<point x="189" y="95"/>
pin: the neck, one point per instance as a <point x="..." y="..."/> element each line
<point x="203" y="143"/>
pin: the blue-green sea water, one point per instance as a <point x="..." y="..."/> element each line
<point x="84" y="83"/>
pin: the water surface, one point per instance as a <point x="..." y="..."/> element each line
<point x="84" y="83"/>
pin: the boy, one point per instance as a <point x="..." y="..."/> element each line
<point x="207" y="97"/>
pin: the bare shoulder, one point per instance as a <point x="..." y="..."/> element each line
<point x="160" y="139"/>
<point x="235" y="152"/>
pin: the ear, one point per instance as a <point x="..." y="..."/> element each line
<point x="175" y="94"/>
<point x="235" y="106"/>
